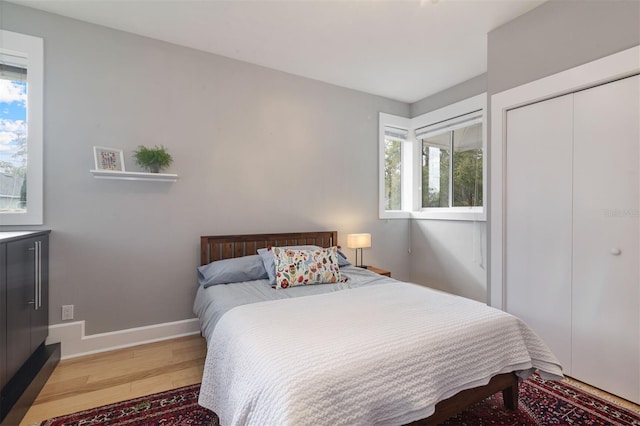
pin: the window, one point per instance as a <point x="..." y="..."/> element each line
<point x="13" y="125"/>
<point x="468" y="166"/>
<point x="395" y="154"/>
<point x="20" y="129"/>
<point x="436" y="158"/>
<point x="452" y="162"/>
<point x="447" y="177"/>
<point x="393" y="140"/>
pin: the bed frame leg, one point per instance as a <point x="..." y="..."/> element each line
<point x="510" y="397"/>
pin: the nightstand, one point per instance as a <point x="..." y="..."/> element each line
<point x="379" y="271"/>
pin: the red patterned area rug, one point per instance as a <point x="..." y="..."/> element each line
<point x="541" y="403"/>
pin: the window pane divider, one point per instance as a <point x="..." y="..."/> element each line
<point x="451" y="161"/>
<point x="449" y="125"/>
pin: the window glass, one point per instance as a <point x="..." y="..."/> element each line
<point x="435" y="170"/>
<point x="467" y="166"/>
<point x="21" y="135"/>
<point x="463" y="178"/>
<point x="13" y="136"/>
<point x="393" y="174"/>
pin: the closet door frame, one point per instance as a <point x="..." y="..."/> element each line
<point x="600" y="71"/>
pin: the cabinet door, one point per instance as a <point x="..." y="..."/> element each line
<point x="538" y="220"/>
<point x="3" y="319"/>
<point x="606" y="206"/>
<point x="40" y="316"/>
<point x="20" y="298"/>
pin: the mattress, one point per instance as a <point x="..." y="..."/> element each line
<point x="384" y="352"/>
<point x="213" y="302"/>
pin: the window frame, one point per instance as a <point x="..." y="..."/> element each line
<point x="412" y="196"/>
<point x="30" y="49"/>
<point x="405" y="177"/>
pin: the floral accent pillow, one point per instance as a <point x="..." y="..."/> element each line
<point x="302" y="267"/>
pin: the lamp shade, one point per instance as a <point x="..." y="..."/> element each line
<point x="358" y="240"/>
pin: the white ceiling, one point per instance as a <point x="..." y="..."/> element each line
<point x="403" y="50"/>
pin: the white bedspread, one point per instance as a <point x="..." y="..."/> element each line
<point x="384" y="354"/>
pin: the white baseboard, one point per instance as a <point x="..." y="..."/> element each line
<point x="75" y="343"/>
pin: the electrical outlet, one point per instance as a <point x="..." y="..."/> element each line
<point x="67" y="312"/>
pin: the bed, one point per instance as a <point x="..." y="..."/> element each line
<point x="370" y="350"/>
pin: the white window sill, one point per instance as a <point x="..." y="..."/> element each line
<point x="476" y="214"/>
<point x="460" y="213"/>
<point x="395" y="214"/>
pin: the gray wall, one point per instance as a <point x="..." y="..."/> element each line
<point x="559" y="35"/>
<point x="256" y="150"/>
<point x="457" y="93"/>
<point x="446" y="254"/>
<point x="450" y="256"/>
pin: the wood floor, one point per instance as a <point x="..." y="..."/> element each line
<point x="86" y="382"/>
<point x="90" y="381"/>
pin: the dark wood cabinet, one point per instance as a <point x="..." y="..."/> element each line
<point x="19" y="288"/>
<point x="27" y="299"/>
<point x="3" y="328"/>
<point x="24" y="320"/>
<point x="40" y="316"/>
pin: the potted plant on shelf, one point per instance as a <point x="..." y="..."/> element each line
<point x="153" y="159"/>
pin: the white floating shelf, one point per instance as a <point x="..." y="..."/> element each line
<point x="110" y="174"/>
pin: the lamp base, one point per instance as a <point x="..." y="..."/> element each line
<point x="363" y="266"/>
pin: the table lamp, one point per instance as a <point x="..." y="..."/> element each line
<point x="358" y="242"/>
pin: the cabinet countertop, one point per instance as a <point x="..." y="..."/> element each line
<point x="15" y="235"/>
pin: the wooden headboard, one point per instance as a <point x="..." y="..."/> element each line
<point x="229" y="246"/>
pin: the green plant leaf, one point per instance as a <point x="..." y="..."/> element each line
<point x="152" y="158"/>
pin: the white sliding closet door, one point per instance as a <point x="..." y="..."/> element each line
<point x="538" y="220"/>
<point x="606" y="217"/>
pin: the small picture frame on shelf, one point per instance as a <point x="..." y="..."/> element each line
<point x="109" y="159"/>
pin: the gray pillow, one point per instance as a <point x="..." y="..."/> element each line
<point x="238" y="269"/>
<point x="342" y="259"/>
